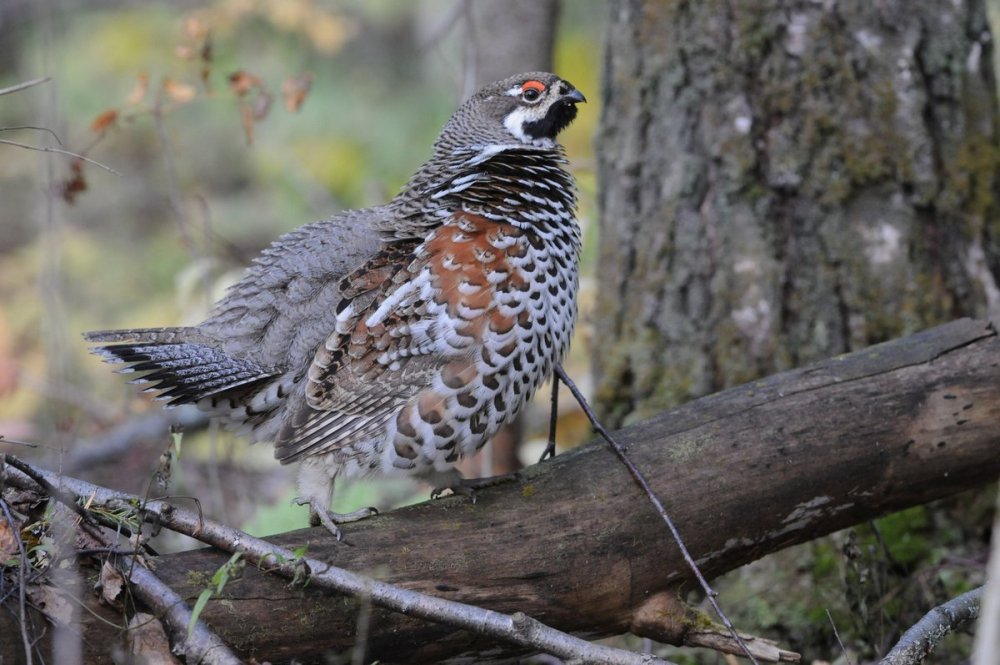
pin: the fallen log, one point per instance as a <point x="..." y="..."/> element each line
<point x="573" y="543"/>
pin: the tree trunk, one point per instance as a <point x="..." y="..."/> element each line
<point x="511" y="36"/>
<point x="575" y="544"/>
<point x="784" y="181"/>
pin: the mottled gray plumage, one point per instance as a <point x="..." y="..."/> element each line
<point x="397" y="338"/>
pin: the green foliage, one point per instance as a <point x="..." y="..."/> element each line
<point x="177" y="438"/>
<point x="875" y="581"/>
<point x="229" y="570"/>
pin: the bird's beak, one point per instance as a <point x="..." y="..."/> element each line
<point x="574" y="96"/>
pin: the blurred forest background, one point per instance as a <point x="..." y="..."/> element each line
<point x="233" y="121"/>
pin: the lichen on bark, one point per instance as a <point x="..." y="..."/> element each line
<point x="782" y="182"/>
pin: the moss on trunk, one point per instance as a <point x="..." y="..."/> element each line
<point x="782" y="182"/>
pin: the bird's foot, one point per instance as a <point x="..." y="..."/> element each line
<point x="458" y="487"/>
<point x="469" y="486"/>
<point x="320" y="515"/>
<point x="549" y="452"/>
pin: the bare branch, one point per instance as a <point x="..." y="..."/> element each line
<point x="941" y="621"/>
<point x="517" y="628"/>
<point x="22" y="580"/>
<point x="24" y="86"/>
<point x="44" y="148"/>
<point x="202" y="645"/>
<point x="40" y="129"/>
<point x="640" y="478"/>
<point x="723" y="642"/>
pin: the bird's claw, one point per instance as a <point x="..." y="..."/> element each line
<point x="459" y="488"/>
<point x="469" y="486"/>
<point x="329" y="519"/>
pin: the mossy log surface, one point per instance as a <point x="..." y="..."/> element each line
<point x="574" y="543"/>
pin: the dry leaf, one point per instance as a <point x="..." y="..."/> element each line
<point x="53" y="602"/>
<point x="111" y="583"/>
<point x="68" y="189"/>
<point x="139" y="91"/>
<point x="295" y="89"/>
<point x="8" y="543"/>
<point x="178" y="92"/>
<point x="206" y="52"/>
<point x="146" y="638"/>
<point x="104" y="120"/>
<point x="242" y="82"/>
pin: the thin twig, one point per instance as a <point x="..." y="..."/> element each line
<point x="518" y="628"/>
<point x="836" y="634"/>
<point x="5" y="439"/>
<point x="45" y="148"/>
<point x="40" y="129"/>
<point x="199" y="645"/>
<point x="923" y="636"/>
<point x="89" y="521"/>
<point x="21" y="583"/>
<point x="23" y="86"/>
<point x="110" y="550"/>
<point x="202" y="645"/>
<point x="710" y="593"/>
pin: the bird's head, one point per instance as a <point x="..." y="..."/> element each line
<point x="529" y="109"/>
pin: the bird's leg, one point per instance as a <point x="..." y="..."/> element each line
<point x="550" y="447"/>
<point x="316" y="491"/>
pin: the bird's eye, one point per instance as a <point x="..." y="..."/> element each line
<point x="531" y="91"/>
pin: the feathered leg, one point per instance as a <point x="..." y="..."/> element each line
<point x="315" y="482"/>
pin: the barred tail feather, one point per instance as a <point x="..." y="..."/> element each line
<point x="183" y="365"/>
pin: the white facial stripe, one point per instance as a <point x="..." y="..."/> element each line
<point x="514" y="122"/>
<point x="514" y="92"/>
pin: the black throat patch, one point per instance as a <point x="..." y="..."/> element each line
<point x="560" y="114"/>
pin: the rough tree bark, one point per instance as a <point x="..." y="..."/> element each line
<point x="574" y="543"/>
<point x="784" y="181"/>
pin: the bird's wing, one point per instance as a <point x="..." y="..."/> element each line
<point x="380" y="355"/>
<point x="284" y="305"/>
